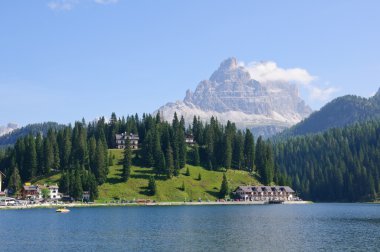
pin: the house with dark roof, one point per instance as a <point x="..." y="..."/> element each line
<point x="123" y="137"/>
<point x="265" y="193"/>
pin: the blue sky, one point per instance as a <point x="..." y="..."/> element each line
<point x="68" y="59"/>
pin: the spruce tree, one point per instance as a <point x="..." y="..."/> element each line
<point x="159" y="158"/>
<point x="224" y="190"/>
<point x="40" y="154"/>
<point x="152" y="186"/>
<point x="227" y="152"/>
<point x="77" y="192"/>
<point x="48" y="156"/>
<point x="187" y="171"/>
<point x="30" y="161"/>
<point x="249" y="151"/>
<point x="64" y="183"/>
<point x="196" y="158"/>
<point x="14" y="182"/>
<point x="169" y="162"/>
<point x="127" y="161"/>
<point x="199" y="177"/>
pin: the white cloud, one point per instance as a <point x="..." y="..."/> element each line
<point x="321" y="94"/>
<point x="106" y="1"/>
<point x="67" y="5"/>
<point x="61" y="5"/>
<point x="270" y="72"/>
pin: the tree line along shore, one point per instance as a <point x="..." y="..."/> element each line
<point x="330" y="166"/>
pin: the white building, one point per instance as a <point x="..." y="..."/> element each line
<point x="54" y="195"/>
<point x="123" y="137"/>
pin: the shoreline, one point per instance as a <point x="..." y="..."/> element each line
<point x="212" y="203"/>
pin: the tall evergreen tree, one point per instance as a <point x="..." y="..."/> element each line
<point x="249" y="151"/>
<point x="14" y="182"/>
<point x="224" y="189"/>
<point x="227" y="151"/>
<point x="152" y="186"/>
<point x="127" y="161"/>
<point x="196" y="158"/>
<point x="169" y="162"/>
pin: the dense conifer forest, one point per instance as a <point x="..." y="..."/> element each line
<point x="80" y="152"/>
<point x="338" y="165"/>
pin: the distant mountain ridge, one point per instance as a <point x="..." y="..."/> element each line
<point x="338" y="113"/>
<point x="8" y="128"/>
<point x="11" y="138"/>
<point x="231" y="94"/>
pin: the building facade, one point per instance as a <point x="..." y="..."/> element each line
<point x="123" y="137"/>
<point x="265" y="193"/>
<point x="34" y="192"/>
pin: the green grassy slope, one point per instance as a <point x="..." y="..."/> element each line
<point x="168" y="190"/>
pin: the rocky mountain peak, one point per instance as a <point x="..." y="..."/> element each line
<point x="230" y="71"/>
<point x="231" y="94"/>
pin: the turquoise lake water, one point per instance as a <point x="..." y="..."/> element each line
<point x="312" y="227"/>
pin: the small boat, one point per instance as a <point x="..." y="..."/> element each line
<point x="62" y="210"/>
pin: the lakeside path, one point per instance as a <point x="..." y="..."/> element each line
<point x="211" y="203"/>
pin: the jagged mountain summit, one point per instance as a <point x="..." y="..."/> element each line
<point x="232" y="94"/>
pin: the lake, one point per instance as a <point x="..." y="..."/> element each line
<point x="311" y="227"/>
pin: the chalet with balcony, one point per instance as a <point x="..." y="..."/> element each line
<point x="123" y="137"/>
<point x="265" y="193"/>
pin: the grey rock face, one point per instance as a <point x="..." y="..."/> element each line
<point x="231" y="94"/>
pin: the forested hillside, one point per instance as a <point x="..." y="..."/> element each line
<point x="79" y="153"/>
<point x="338" y="165"/>
<point x="34" y="129"/>
<point x="340" y="112"/>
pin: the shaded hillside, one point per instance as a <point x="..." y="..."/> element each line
<point x="341" y="164"/>
<point x="11" y="138"/>
<point x="338" y="113"/>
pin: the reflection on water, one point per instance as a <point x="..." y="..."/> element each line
<point x="337" y="227"/>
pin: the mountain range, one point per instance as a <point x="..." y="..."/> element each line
<point x="232" y="94"/>
<point x="338" y="113"/>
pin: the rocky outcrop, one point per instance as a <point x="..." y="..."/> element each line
<point x="231" y="94"/>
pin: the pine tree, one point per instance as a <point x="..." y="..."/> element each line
<point x="187" y="171"/>
<point x="238" y="151"/>
<point x="48" y="156"/>
<point x="152" y="186"/>
<point x="249" y="151"/>
<point x="169" y="162"/>
<point x="147" y="150"/>
<point x="227" y="152"/>
<point x="181" y="147"/>
<point x="77" y="192"/>
<point x="93" y="187"/>
<point x="159" y="158"/>
<point x="100" y="169"/>
<point x="40" y="154"/>
<point x="64" y="183"/>
<point x="30" y="161"/>
<point x="199" y="177"/>
<point x="224" y="190"/>
<point x="196" y="158"/>
<point x="14" y="182"/>
<point x="127" y="161"/>
<point x="183" y="188"/>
